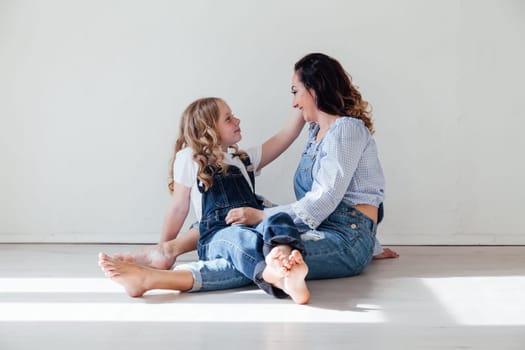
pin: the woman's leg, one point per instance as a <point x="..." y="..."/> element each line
<point x="334" y="254"/>
<point x="286" y="269"/>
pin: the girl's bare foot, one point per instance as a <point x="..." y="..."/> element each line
<point x="131" y="277"/>
<point x="386" y="254"/>
<point x="159" y="256"/>
<point x="287" y="270"/>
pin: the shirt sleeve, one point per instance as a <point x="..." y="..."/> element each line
<point x="338" y="158"/>
<point x="184" y="168"/>
<point x="255" y="154"/>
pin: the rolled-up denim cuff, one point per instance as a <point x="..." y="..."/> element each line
<point x="292" y="242"/>
<point x="265" y="286"/>
<point x="197" y="278"/>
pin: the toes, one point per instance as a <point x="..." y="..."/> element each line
<point x="111" y="274"/>
<point x="119" y="256"/>
<point x="104" y="257"/>
<point x="275" y="253"/>
<point x="297" y="257"/>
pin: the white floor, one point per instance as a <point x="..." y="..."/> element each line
<point x="55" y="297"/>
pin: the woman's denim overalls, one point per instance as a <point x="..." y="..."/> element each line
<point x="342" y="245"/>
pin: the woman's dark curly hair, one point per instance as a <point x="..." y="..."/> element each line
<point x="335" y="93"/>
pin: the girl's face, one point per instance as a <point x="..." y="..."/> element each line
<point x="304" y="99"/>
<point x="228" y="126"/>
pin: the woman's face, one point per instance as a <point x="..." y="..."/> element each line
<point x="304" y="99"/>
<point x="228" y="126"/>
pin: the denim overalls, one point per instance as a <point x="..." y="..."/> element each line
<point x="342" y="245"/>
<point x="243" y="246"/>
<point x="228" y="191"/>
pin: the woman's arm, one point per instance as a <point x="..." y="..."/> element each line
<point x="177" y="212"/>
<point x="277" y="144"/>
<point x="338" y="159"/>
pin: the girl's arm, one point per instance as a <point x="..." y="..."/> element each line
<point x="177" y="212"/>
<point x="277" y="144"/>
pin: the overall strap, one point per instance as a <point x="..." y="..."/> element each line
<point x="212" y="170"/>
<point x="251" y="171"/>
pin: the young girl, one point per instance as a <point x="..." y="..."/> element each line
<point x="209" y="168"/>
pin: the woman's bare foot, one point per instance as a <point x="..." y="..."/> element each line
<point x="386" y="254"/>
<point x="132" y="277"/>
<point x="277" y="265"/>
<point x="159" y="256"/>
<point x="287" y="270"/>
<point x="294" y="281"/>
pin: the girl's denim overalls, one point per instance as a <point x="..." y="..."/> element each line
<point x="243" y="246"/>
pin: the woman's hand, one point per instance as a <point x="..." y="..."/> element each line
<point x="245" y="215"/>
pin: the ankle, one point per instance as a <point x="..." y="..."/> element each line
<point x="168" y="249"/>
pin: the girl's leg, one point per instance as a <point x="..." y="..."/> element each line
<point x="137" y="280"/>
<point x="216" y="274"/>
<point x="239" y="244"/>
<point x="242" y="246"/>
<point x="162" y="255"/>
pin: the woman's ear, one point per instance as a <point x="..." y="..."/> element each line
<point x="313" y="94"/>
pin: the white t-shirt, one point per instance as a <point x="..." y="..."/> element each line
<point x="185" y="172"/>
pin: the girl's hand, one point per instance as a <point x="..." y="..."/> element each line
<point x="245" y="215"/>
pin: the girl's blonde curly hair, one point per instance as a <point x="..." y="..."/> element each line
<point x="198" y="130"/>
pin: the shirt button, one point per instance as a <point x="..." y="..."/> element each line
<point x="353" y="226"/>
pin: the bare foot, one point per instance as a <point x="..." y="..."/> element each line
<point x="287" y="270"/>
<point x="386" y="254"/>
<point x="277" y="265"/>
<point x="159" y="256"/>
<point x="131" y="277"/>
<point x="294" y="282"/>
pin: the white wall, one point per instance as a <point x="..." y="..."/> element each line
<point x="91" y="93"/>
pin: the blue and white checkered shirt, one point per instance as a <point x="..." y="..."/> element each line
<point x="346" y="168"/>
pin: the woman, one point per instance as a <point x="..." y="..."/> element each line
<point x="339" y="183"/>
